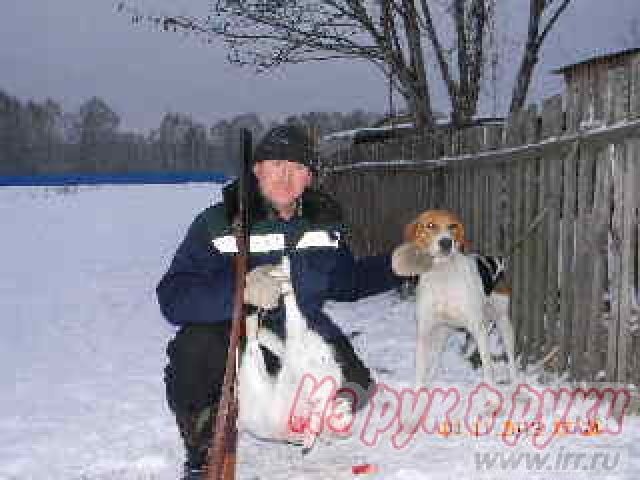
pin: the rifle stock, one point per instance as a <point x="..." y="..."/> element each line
<point x="222" y="453"/>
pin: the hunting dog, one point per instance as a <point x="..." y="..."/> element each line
<point x="454" y="290"/>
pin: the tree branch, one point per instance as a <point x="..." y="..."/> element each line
<point x="463" y="49"/>
<point x="445" y="69"/>
<point x="479" y="14"/>
<point x="532" y="49"/>
<point x="553" y="20"/>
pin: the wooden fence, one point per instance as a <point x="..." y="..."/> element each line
<point x="557" y="194"/>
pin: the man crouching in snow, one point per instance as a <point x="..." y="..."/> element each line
<point x="288" y="219"/>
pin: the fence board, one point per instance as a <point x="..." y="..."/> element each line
<point x="532" y="277"/>
<point x="573" y="103"/>
<point x="497" y="214"/>
<point x="471" y="206"/>
<point x="626" y="272"/>
<point x="597" y="334"/>
<point x="477" y="208"/>
<point x="448" y="190"/>
<point x="467" y="203"/>
<point x="493" y="137"/>
<point x="484" y="221"/>
<point x="535" y="296"/>
<point x="598" y="79"/>
<point x="463" y="201"/>
<point x="582" y="267"/>
<point x="540" y="259"/>
<point x="618" y="94"/>
<point x="551" y="117"/>
<point x="527" y="262"/>
<point x="615" y="262"/>
<point x="456" y="183"/>
<point x="634" y="101"/>
<point x="504" y="200"/>
<point x="567" y="256"/>
<point x="519" y="266"/>
<point x="552" y="125"/>
<point x="553" y="182"/>
<point x="488" y="212"/>
<point x="635" y="351"/>
<point x="454" y="194"/>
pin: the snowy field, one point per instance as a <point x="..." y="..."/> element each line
<point x="83" y="342"/>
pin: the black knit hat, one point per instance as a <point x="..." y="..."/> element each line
<point x="286" y="142"/>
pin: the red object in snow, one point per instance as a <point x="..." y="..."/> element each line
<point x="364" y="469"/>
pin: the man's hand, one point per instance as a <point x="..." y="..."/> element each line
<point x="262" y="288"/>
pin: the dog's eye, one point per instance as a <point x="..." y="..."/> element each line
<point x="453" y="226"/>
<point x="431" y="225"/>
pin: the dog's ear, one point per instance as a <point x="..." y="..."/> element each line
<point x="408" y="260"/>
<point x="460" y="237"/>
<point x="465" y="246"/>
<point x="410" y="231"/>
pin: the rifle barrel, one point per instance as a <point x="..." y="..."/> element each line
<point x="222" y="454"/>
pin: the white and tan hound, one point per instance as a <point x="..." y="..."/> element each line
<point x="455" y="290"/>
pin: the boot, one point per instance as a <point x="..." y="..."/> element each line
<point x="193" y="474"/>
<point x="196" y="432"/>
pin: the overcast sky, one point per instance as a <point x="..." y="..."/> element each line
<point x="70" y="50"/>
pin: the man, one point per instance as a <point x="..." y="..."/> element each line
<point x="197" y="291"/>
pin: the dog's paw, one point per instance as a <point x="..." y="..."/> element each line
<point x="408" y="260"/>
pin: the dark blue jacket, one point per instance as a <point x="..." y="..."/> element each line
<point x="199" y="286"/>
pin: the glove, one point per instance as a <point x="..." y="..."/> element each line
<point x="262" y="289"/>
<point x="408" y="260"/>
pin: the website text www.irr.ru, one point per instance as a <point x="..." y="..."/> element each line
<point x="568" y="460"/>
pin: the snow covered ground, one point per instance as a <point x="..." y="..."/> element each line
<point x="82" y="353"/>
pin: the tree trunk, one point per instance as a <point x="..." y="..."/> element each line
<point x="523" y="80"/>
<point x="535" y="38"/>
<point x="470" y="37"/>
<point x="420" y="102"/>
<point x="416" y="96"/>
<point x="420" y="107"/>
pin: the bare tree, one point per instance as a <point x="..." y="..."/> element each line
<point x="14" y="136"/>
<point x="96" y="125"/>
<point x="543" y="15"/>
<point x="171" y="138"/>
<point x="393" y="35"/>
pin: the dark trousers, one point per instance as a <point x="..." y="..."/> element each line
<point x="193" y="380"/>
<point x="195" y="372"/>
<point x="197" y="356"/>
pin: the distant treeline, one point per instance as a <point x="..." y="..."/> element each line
<point x="40" y="138"/>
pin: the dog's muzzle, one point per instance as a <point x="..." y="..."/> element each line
<point x="446" y="245"/>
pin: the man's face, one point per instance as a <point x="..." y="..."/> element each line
<point x="282" y="181"/>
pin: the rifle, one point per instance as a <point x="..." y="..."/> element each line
<point x="221" y="463"/>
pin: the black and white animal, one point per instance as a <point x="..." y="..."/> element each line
<point x="454" y="291"/>
<point x="267" y="399"/>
